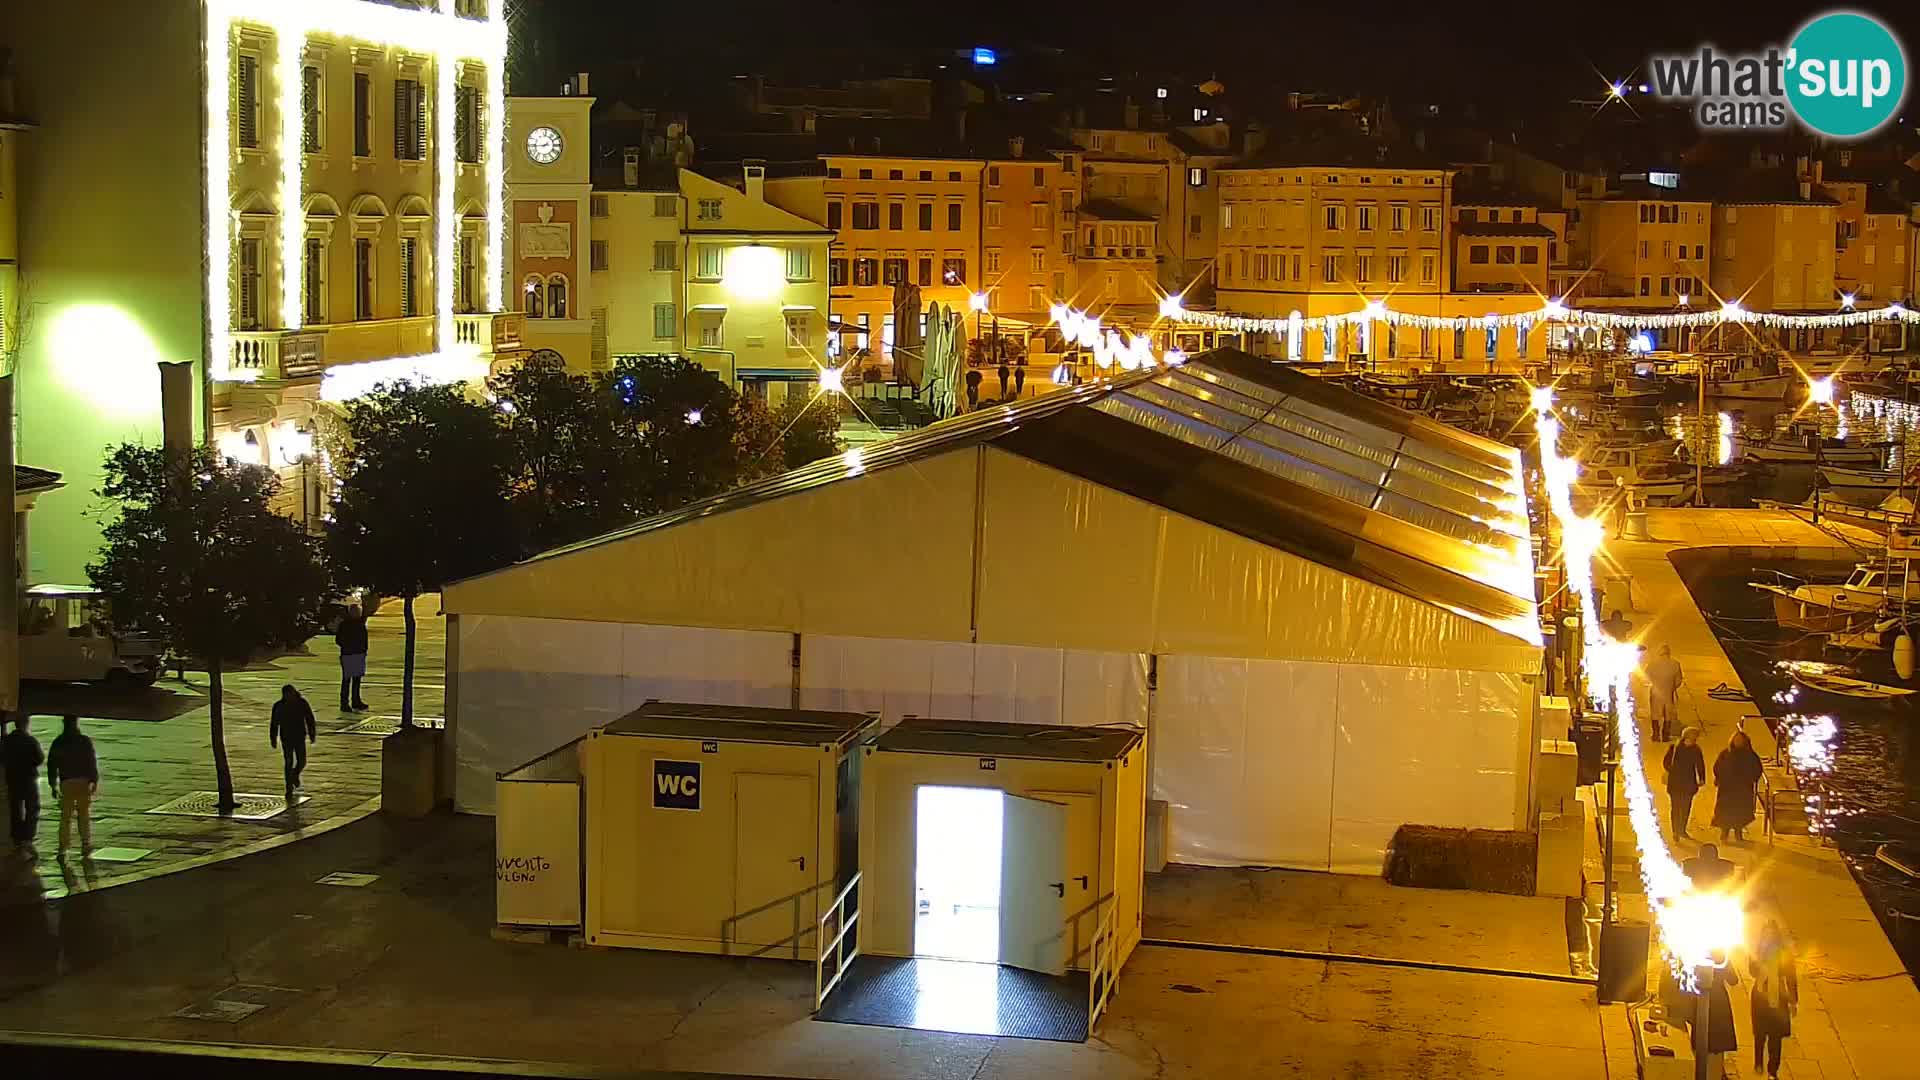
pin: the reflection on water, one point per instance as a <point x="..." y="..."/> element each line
<point x="1858" y="757"/>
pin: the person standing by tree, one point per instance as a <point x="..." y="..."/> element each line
<point x="1736" y="776"/>
<point x="74" y="775"/>
<point x="260" y="587"/>
<point x="21" y="753"/>
<point x="1776" y="994"/>
<point x="1686" y="775"/>
<point x="292" y="728"/>
<point x="351" y="636"/>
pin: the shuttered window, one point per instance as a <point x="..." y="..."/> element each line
<point x="598" y="342"/>
<point x="362" y="114"/>
<point x="409" y="296"/>
<point x="409" y="120"/>
<point x="310" y="109"/>
<point x="246" y="99"/>
<point x="466" y="123"/>
<point x="314" y="281"/>
<point x="249" y="283"/>
<point x="363" y="279"/>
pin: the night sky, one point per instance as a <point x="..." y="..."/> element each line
<point x="1483" y="53"/>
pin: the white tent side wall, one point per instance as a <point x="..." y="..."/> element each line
<point x="1315" y="765"/>
<point x="526" y="685"/>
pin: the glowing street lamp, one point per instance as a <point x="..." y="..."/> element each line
<point x="1170" y="307"/>
<point x="1820" y="391"/>
<point x="832" y="381"/>
<point x="1846" y="301"/>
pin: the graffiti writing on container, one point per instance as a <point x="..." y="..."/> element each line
<point x="520" y="868"/>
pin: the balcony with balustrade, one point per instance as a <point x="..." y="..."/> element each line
<point x="284" y="355"/>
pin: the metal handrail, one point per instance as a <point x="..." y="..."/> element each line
<point x="1100" y="970"/>
<point x="844" y="921"/>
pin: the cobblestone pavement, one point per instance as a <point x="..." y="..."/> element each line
<point x="154" y="747"/>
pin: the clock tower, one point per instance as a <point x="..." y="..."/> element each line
<point x="550" y="222"/>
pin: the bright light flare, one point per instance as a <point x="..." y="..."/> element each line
<point x="1696" y="925"/>
<point x="977" y="301"/>
<point x="1540" y="399"/>
<point x="1170" y="307"/>
<point x="753" y="272"/>
<point x="833" y="380"/>
<point x="1820" y="391"/>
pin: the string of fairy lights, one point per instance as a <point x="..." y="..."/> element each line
<point x="1694" y="925"/>
<point x="1554" y="311"/>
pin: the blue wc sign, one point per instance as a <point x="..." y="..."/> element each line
<point x="676" y="785"/>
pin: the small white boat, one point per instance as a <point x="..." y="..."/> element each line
<point x="1849" y="687"/>
<point x="1789" y="451"/>
<point x="1831" y="609"/>
<point x="1872" y="479"/>
<point x="1755" y="388"/>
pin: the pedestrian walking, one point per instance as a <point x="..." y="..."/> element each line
<point x="1019" y="378"/>
<point x="973" y="388"/>
<point x="21" y="754"/>
<point x="1617" y="625"/>
<point x="1686" y="768"/>
<point x="1003" y="379"/>
<point x="1736" y="777"/>
<point x="1663" y="692"/>
<point x="1722" y="1037"/>
<point x="1707" y="870"/>
<point x="351" y="636"/>
<point x="1776" y="994"/>
<point x="291" y="728"/>
<point x="73" y="773"/>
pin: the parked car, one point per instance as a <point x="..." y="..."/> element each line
<point x="65" y="637"/>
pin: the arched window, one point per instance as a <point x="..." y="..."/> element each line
<point x="557" y="296"/>
<point x="536" y="301"/>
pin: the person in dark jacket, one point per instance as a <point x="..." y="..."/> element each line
<point x="21" y="754"/>
<point x="973" y="388"/>
<point x="1722" y="1036"/>
<point x="351" y="636"/>
<point x="1776" y="994"/>
<point x="1707" y="870"/>
<point x="292" y="728"/>
<point x="1736" y="776"/>
<point x="74" y="775"/>
<point x="1686" y="775"/>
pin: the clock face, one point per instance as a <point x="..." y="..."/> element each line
<point x="543" y="145"/>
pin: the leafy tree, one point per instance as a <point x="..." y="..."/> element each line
<point x="770" y="441"/>
<point x="423" y="498"/>
<point x="576" y="454"/>
<point x="197" y="558"/>
<point x="684" y="417"/>
<point x="809" y="428"/>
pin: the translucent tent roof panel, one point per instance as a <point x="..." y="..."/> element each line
<point x="1246" y="445"/>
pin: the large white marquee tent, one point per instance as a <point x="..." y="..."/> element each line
<point x="1318" y="606"/>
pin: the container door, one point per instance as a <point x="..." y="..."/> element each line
<point x="1033" y="864"/>
<point x="1082" y="906"/>
<point x="776" y="864"/>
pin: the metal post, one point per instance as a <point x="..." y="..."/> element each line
<point x="9" y="552"/>
<point x="1702" y="1019"/>
<point x="1819" y="461"/>
<point x="1611" y="763"/>
<point x="1700" y="452"/>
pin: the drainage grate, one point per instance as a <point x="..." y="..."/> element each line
<point x="120" y="854"/>
<point x="346" y="880"/>
<point x="236" y="1003"/>
<point x="204" y="804"/>
<point x="388" y="725"/>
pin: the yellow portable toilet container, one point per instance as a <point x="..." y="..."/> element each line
<point x="719" y="829"/>
<point x="1013" y="844"/>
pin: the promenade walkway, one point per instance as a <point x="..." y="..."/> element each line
<point x="1859" y="1008"/>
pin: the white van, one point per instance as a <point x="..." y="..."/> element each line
<point x="65" y="637"/>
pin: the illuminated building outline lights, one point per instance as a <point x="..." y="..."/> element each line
<point x="441" y="35"/>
